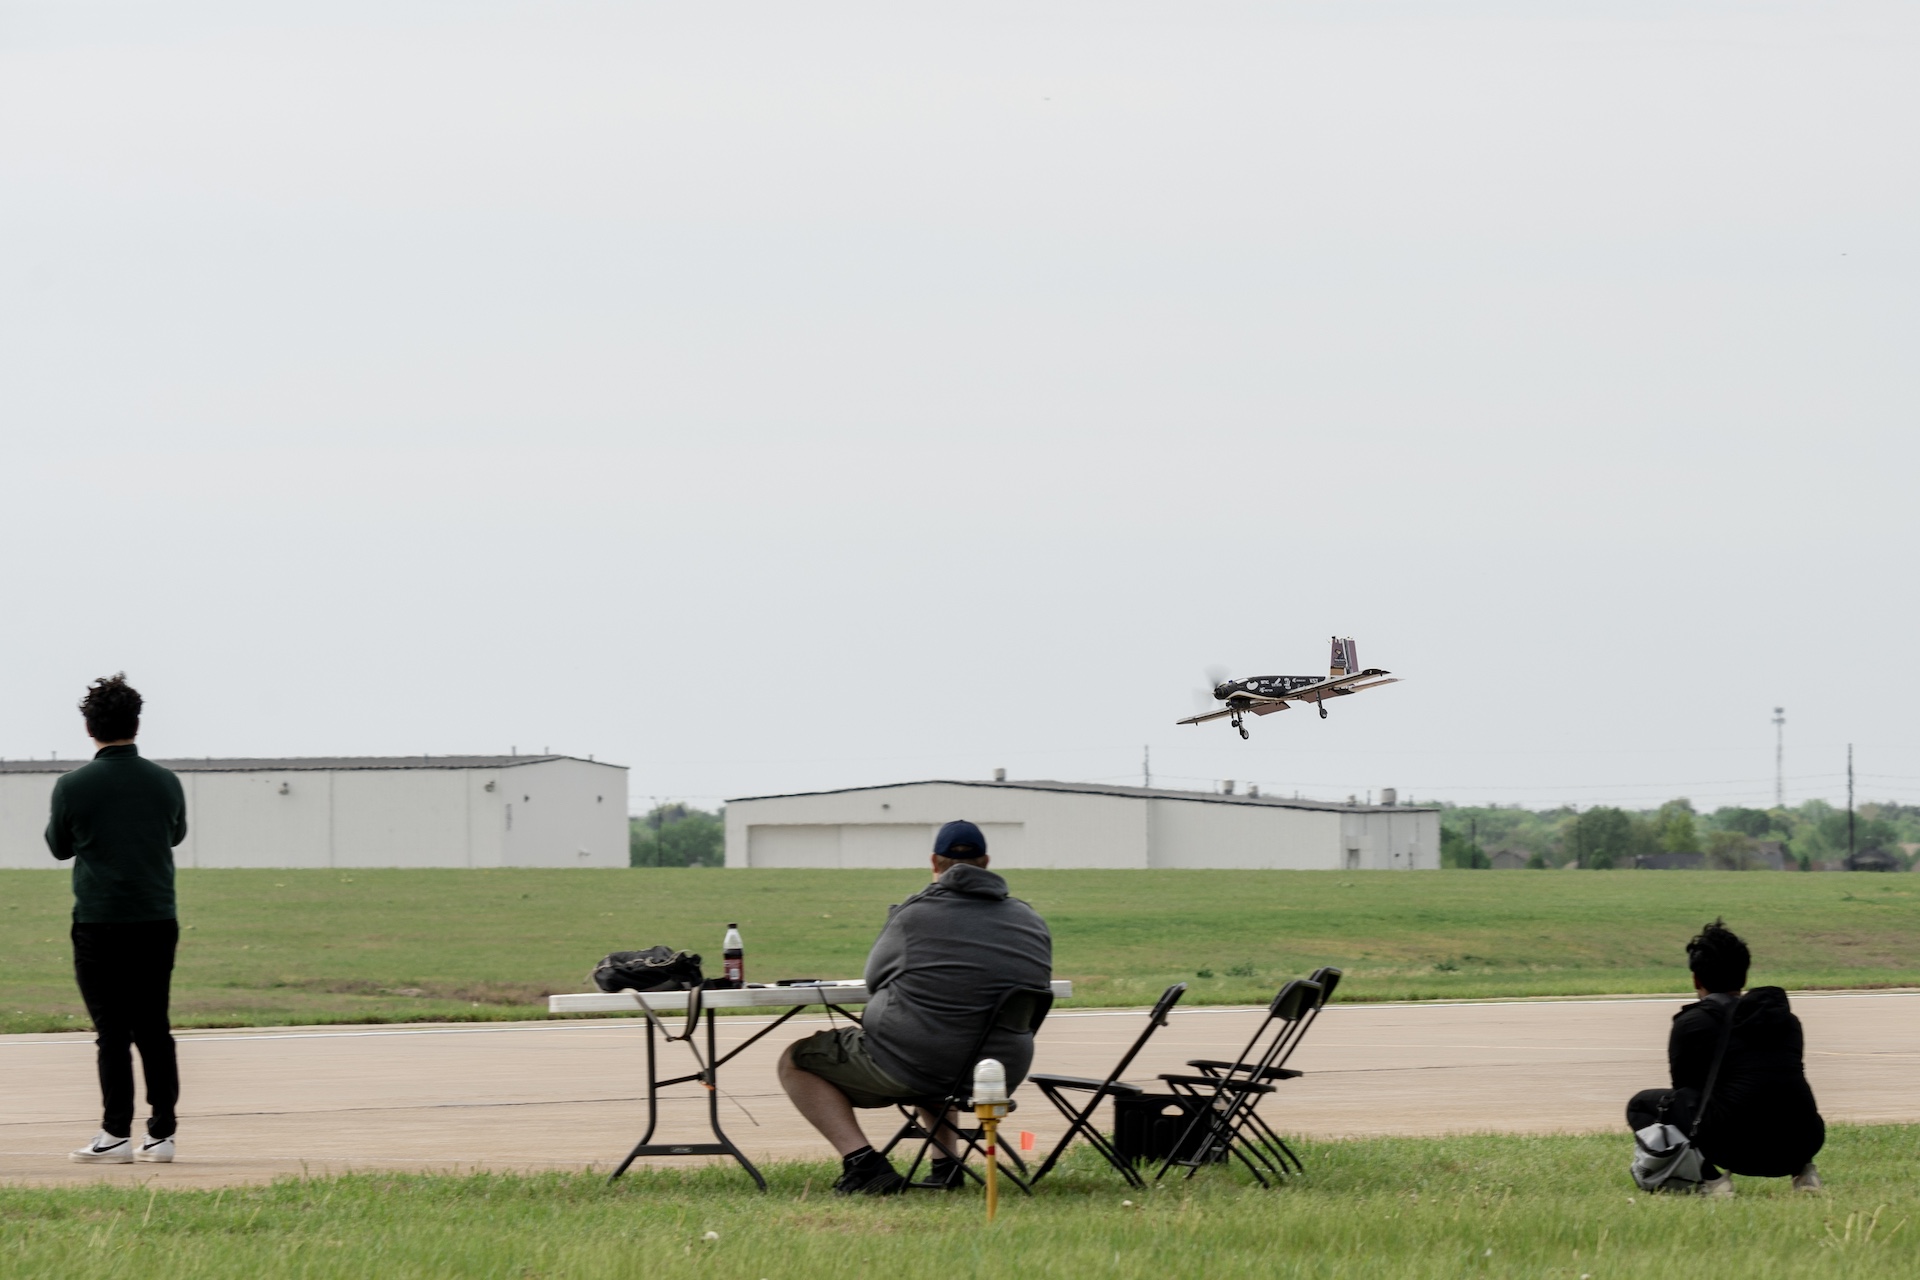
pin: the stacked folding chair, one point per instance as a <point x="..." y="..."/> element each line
<point x="1021" y="1009"/>
<point x="1328" y="978"/>
<point x="1223" y="1100"/>
<point x="1090" y="1093"/>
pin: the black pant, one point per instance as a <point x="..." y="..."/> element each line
<point x="125" y="973"/>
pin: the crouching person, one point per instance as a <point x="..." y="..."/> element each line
<point x="1761" y="1120"/>
<point x="940" y="967"/>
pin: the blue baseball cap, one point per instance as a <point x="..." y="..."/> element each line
<point x="963" y="834"/>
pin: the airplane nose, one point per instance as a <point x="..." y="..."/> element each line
<point x="1220" y="691"/>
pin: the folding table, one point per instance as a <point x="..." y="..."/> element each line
<point x="836" y="996"/>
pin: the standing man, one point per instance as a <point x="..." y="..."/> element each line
<point x="118" y="819"/>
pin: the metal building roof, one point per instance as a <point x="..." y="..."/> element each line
<point x="1108" y="789"/>
<point x="298" y="763"/>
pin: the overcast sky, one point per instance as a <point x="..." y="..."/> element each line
<point x="783" y="396"/>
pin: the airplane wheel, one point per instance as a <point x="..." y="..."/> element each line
<point x="1244" y="733"/>
<point x="1323" y="713"/>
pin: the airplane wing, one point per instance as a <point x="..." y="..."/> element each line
<point x="1253" y="702"/>
<point x="1340" y="686"/>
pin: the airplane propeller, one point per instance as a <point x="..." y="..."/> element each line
<point x="1216" y="673"/>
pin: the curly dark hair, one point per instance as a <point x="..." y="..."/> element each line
<point x="111" y="708"/>
<point x="1718" y="958"/>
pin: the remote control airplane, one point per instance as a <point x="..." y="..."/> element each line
<point x="1264" y="695"/>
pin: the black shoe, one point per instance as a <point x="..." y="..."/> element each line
<point x="871" y="1175"/>
<point x="945" y="1175"/>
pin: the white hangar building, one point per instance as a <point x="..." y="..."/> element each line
<point x="364" y="811"/>
<point x="1075" y="824"/>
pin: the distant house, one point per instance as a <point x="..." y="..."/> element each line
<point x="1871" y="860"/>
<point x="1773" y="855"/>
<point x="1509" y="859"/>
<point x="1669" y="861"/>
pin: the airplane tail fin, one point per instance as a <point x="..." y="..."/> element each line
<point x="1346" y="659"/>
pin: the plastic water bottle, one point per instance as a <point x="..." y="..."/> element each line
<point x="734" y="957"/>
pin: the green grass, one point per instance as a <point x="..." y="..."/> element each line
<point x="1413" y="1208"/>
<point x="275" y="947"/>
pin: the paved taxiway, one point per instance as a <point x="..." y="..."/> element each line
<point x="570" y="1095"/>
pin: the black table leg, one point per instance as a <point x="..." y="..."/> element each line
<point x="653" y="1109"/>
<point x="710" y="1080"/>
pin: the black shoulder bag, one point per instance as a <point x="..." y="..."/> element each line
<point x="655" y="969"/>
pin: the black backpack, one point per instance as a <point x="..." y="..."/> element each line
<point x="655" y="969"/>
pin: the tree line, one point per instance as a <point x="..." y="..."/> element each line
<point x="677" y="835"/>
<point x="1811" y="835"/>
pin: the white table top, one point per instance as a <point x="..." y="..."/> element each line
<point x="750" y="998"/>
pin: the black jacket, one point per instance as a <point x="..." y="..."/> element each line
<point x="938" y="970"/>
<point x="118" y="818"/>
<point x="1761" y="1120"/>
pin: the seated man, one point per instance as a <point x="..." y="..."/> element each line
<point x="1761" y="1120"/>
<point x="938" y="971"/>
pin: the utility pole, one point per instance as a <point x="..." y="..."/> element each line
<point x="1146" y="767"/>
<point x="1779" y="757"/>
<point x="1849" y="806"/>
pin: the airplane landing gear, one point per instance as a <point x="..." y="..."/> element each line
<point x="1235" y="722"/>
<point x="1243" y="731"/>
<point x="1323" y="710"/>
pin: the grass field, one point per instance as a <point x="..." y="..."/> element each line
<point x="1401" y="1208"/>
<point x="271" y="947"/>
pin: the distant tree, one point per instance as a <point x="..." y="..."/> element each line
<point x="1757" y="823"/>
<point x="1732" y="851"/>
<point x="1458" y="850"/>
<point x="1675" y="829"/>
<point x="1824" y="836"/>
<point x="1601" y="838"/>
<point x="676" y="835"/>
<point x="1508" y="827"/>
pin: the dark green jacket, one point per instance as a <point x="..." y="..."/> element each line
<point x="118" y="818"/>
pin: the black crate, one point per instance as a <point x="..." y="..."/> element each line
<point x="1145" y="1129"/>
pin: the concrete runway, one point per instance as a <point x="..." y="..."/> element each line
<point x="261" y="1104"/>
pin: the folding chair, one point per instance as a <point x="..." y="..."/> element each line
<point x="1220" y="1100"/>
<point x="1021" y="1009"/>
<point x="1080" y="1116"/>
<point x="1328" y="978"/>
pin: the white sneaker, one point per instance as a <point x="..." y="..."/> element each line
<point x="1719" y="1188"/>
<point x="155" y="1151"/>
<point x="1808" y="1179"/>
<point x="105" y="1149"/>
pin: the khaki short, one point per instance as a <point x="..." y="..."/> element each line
<point x="840" y="1058"/>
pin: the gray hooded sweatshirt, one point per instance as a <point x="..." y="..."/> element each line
<point x="938" y="970"/>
